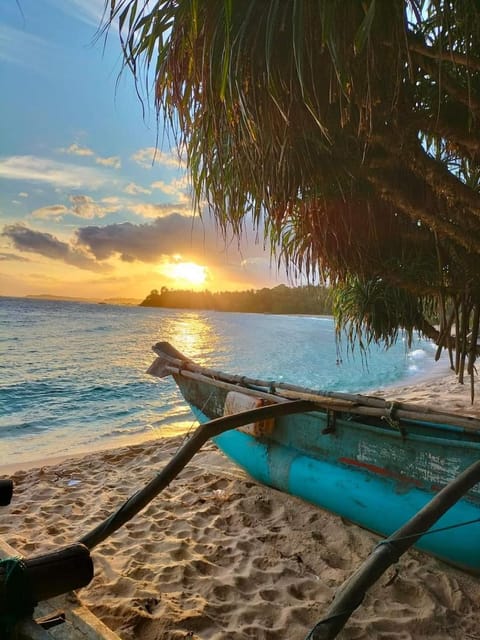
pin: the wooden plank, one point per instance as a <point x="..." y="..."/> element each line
<point x="83" y="619"/>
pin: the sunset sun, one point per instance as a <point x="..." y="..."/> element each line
<point x="188" y="272"/>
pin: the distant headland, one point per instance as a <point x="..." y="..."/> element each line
<point x="47" y="296"/>
<point x="310" y="299"/>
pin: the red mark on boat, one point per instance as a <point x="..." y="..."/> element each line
<point x="381" y="471"/>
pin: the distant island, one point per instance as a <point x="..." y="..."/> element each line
<point x="310" y="299"/>
<point x="47" y="296"/>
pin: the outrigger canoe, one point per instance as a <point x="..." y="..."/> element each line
<point x="371" y="461"/>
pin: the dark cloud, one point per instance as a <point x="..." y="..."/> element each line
<point x="45" y="244"/>
<point x="149" y="241"/>
<point x="4" y="257"/>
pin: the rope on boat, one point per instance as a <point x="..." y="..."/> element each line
<point x="171" y="361"/>
<point x="17" y="595"/>
<point x="430" y="531"/>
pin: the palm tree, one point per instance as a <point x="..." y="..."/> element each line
<point x="350" y="128"/>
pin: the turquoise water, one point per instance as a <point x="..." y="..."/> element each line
<point x="73" y="375"/>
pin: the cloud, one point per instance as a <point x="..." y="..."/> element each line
<point x="150" y="156"/>
<point x="77" y="150"/>
<point x="24" y="49"/>
<point x="6" y="257"/>
<point x="45" y="244"/>
<point x="86" y="207"/>
<point x="177" y="189"/>
<point x="81" y="206"/>
<point x="112" y="161"/>
<point x="147" y="242"/>
<point x="113" y="201"/>
<point x="159" y="210"/>
<point x="23" y="194"/>
<point x="59" y="174"/>
<point x="151" y="241"/>
<point x="135" y="189"/>
<point x="88" y="11"/>
<point x="52" y="211"/>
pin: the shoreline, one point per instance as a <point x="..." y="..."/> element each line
<point x="440" y="387"/>
<point x="52" y="460"/>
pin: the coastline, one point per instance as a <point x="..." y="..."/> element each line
<point x="218" y="556"/>
<point x="440" y="388"/>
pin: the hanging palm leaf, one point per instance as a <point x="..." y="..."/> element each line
<point x="350" y="128"/>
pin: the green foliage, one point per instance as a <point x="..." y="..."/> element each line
<point x="350" y="129"/>
<point x="312" y="300"/>
<point x="373" y="311"/>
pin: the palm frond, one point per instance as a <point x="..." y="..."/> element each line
<point x="351" y="127"/>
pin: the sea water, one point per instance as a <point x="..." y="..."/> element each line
<point x="73" y="375"/>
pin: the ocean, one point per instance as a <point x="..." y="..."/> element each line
<point x="73" y="374"/>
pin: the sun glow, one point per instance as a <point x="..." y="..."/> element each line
<point x="187" y="273"/>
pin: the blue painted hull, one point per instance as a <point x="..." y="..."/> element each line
<point x="373" y="476"/>
<point x="362" y="458"/>
<point x="370" y="502"/>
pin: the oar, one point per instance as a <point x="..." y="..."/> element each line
<point x="186" y="452"/>
<point x="351" y="593"/>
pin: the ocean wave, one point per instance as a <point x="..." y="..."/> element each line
<point x="418" y="354"/>
<point x="124" y="431"/>
<point x="79" y="376"/>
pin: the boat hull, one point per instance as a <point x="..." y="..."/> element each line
<point x="373" y="475"/>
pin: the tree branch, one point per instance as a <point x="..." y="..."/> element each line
<point x="445" y="81"/>
<point x="388" y="188"/>
<point x="448" y="56"/>
<point x="444" y="183"/>
<point x="461" y="139"/>
<point x="435" y="174"/>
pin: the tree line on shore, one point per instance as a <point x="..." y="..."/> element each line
<point x="309" y="299"/>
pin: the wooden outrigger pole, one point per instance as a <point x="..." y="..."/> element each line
<point x="350" y="595"/>
<point x="186" y="452"/>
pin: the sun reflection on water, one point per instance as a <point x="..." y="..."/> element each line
<point x="193" y="335"/>
<point x="80" y="377"/>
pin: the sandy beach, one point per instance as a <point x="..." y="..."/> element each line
<point x="218" y="556"/>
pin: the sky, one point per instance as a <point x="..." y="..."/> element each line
<point x="89" y="207"/>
